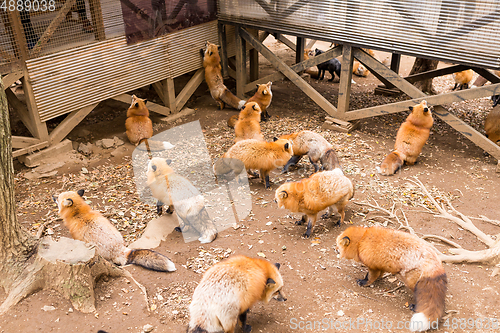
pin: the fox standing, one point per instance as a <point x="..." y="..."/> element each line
<point x="247" y="126"/>
<point x="410" y="139"/>
<point x="213" y="77"/>
<point x="174" y="190"/>
<point x="462" y="79"/>
<point x="263" y="97"/>
<point x="313" y="145"/>
<point x="311" y="195"/>
<point x="93" y="228"/>
<point x="255" y="154"/>
<point x="408" y="256"/>
<point x="138" y="124"/>
<point x="228" y="290"/>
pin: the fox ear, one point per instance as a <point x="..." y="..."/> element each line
<point x="283" y="194"/>
<point x="411" y="108"/>
<point x="270" y="282"/>
<point x="345" y="241"/>
<point x="145" y="101"/>
<point x="80" y="192"/>
<point x="68" y="203"/>
<point x="169" y="161"/>
<point x="287" y="146"/>
<point x="278" y="265"/>
<point x="136" y="105"/>
<point x="275" y="139"/>
<point x="269" y="83"/>
<point x="153" y="167"/>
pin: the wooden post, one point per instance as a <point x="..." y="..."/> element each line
<point x="345" y="81"/>
<point x="189" y="88"/>
<point x="19" y="35"/>
<point x="70" y="122"/>
<point x="241" y="62"/>
<point x="39" y="128"/>
<point x="169" y="94"/>
<point x="97" y="20"/>
<point x="254" y="59"/>
<point x="223" y="48"/>
<point x="299" y="50"/>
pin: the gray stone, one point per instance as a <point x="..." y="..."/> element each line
<point x="86" y="148"/>
<point x="108" y="143"/>
<point x="147" y="328"/>
<point x="118" y="142"/>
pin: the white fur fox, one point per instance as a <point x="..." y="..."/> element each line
<point x="174" y="190"/>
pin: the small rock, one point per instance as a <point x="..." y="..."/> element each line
<point x="108" y="143"/>
<point x="85" y="170"/>
<point x="48" y="308"/>
<point x="118" y="142"/>
<point x="98" y="143"/>
<point x="70" y="310"/>
<point x="147" y="328"/>
<point x="48" y="167"/>
<point x="86" y="149"/>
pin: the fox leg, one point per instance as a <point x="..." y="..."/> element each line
<point x="332" y="73"/>
<point x="159" y="206"/>
<point x="292" y="161"/>
<point x="455" y="87"/>
<point x="302" y="220"/>
<point x="310" y="226"/>
<point x="341" y="210"/>
<point x="328" y="214"/>
<point x="316" y="165"/>
<point x="243" y="318"/>
<point x="264" y="175"/>
<point x="370" y="277"/>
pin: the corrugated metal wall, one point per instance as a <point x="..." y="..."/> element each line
<point x="69" y="80"/>
<point x="457" y="31"/>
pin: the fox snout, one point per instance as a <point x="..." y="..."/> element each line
<point x="54" y="197"/>
<point x="280" y="297"/>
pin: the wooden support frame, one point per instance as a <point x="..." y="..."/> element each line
<point x="241" y="62"/>
<point x="69" y="123"/>
<point x="345" y="80"/>
<point x="285" y="70"/>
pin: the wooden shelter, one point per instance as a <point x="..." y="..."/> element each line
<point x="66" y="70"/>
<point x="465" y="33"/>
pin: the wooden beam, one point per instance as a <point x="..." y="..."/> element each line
<point x="345" y="80"/>
<point x="97" y="19"/>
<point x="286" y="41"/>
<point x="39" y="128"/>
<point x="20" y="109"/>
<point x="169" y="94"/>
<point x="289" y="73"/>
<point x="299" y="52"/>
<point x="223" y="48"/>
<point x="486" y="74"/>
<point x="254" y="59"/>
<point x="10" y="78"/>
<point x="310" y="43"/>
<point x="189" y="88"/>
<point x="395" y="62"/>
<point x="158" y="87"/>
<point x="30" y="149"/>
<point x="447" y="98"/>
<point x="21" y="45"/>
<point x="327" y="55"/>
<point x="69" y="123"/>
<point x="435" y="73"/>
<point x="126" y="98"/>
<point x="241" y="62"/>
<point x="19" y="142"/>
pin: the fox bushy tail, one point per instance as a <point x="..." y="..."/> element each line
<point x="231" y="100"/>
<point x="392" y="163"/>
<point x="151" y="260"/>
<point x="430" y="295"/>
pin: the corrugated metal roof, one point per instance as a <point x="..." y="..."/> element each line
<point x="465" y="32"/>
<point x="72" y="79"/>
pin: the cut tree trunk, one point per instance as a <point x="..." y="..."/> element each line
<point x="423" y="65"/>
<point x="28" y="265"/>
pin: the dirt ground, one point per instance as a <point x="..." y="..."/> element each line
<point x="320" y="287"/>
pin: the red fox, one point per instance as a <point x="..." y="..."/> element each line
<point x="313" y="145"/>
<point x="311" y="195"/>
<point x="410" y="139"/>
<point x="91" y="227"/>
<point x="492" y="125"/>
<point x="247" y="126"/>
<point x="138" y="124"/>
<point x="462" y="79"/>
<point x="213" y="77"/>
<point x="263" y="97"/>
<point x="228" y="290"/>
<point x="174" y="190"/>
<point x="312" y="71"/>
<point x="411" y="258"/>
<point x="255" y="154"/>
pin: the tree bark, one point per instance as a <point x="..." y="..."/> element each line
<point x="423" y="65"/>
<point x="16" y="245"/>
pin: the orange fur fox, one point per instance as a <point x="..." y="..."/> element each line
<point x="228" y="290"/>
<point x="255" y="154"/>
<point x="312" y="71"/>
<point x="93" y="228"/>
<point x="213" y="77"/>
<point x="462" y="79"/>
<point x="311" y="195"/>
<point x="138" y="124"/>
<point x="263" y="97"/>
<point x="410" y="139"/>
<point x="492" y="125"/>
<point x="313" y="145"/>
<point x="247" y="126"/>
<point x="412" y="259"/>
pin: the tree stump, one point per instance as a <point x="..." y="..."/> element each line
<point x="67" y="266"/>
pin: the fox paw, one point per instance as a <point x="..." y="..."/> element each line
<point x="178" y="229"/>
<point x="325" y="216"/>
<point x="306" y="235"/>
<point x="412" y="307"/>
<point x="299" y="222"/>
<point x="170" y="209"/>
<point x="362" y="282"/>
<point x="247" y="328"/>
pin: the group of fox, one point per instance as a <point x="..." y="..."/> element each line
<point x="228" y="289"/>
